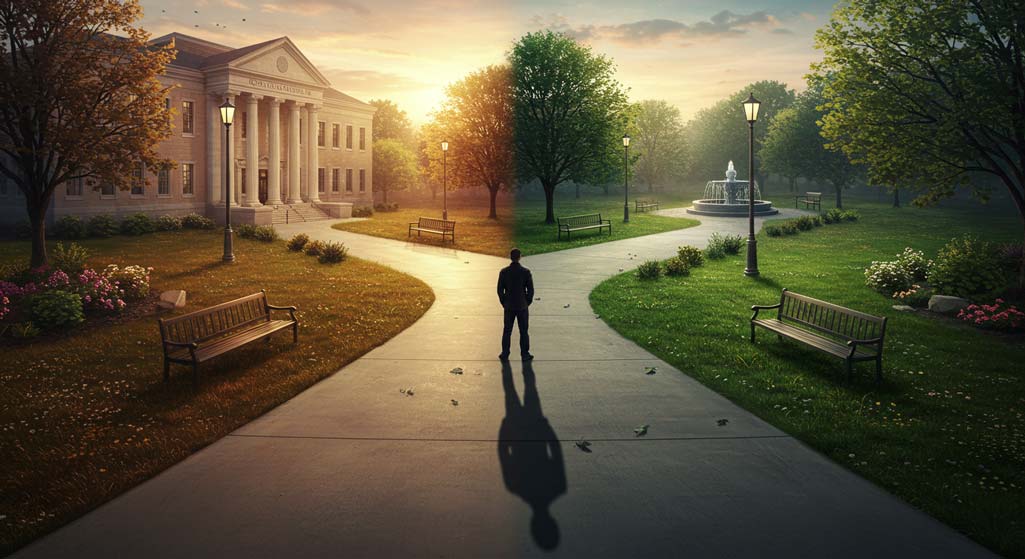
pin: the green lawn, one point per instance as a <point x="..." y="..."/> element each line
<point x="944" y="431"/>
<point x="521" y="223"/>
<point x="87" y="415"/>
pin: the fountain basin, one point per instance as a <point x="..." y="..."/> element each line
<point x="719" y="208"/>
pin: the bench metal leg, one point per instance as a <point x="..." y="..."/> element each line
<point x="295" y="333"/>
<point x="195" y="373"/>
<point x="879" y="369"/>
<point x="167" y="370"/>
<point x="752" y="332"/>
<point x="850" y="369"/>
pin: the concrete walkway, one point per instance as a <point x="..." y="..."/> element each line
<point x="353" y="467"/>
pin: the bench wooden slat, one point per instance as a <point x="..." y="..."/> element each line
<point x="581" y="223"/>
<point x="846" y="333"/>
<point x="443" y="227"/>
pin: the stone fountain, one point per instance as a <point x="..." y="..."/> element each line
<point x="728" y="198"/>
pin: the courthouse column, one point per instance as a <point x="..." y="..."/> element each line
<point x="274" y="153"/>
<point x="313" y="154"/>
<point x="252" y="195"/>
<point x="294" y="196"/>
<point x="215" y="131"/>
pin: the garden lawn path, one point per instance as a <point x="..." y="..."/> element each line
<point x="355" y="467"/>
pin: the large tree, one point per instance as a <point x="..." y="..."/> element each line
<point x="658" y="141"/>
<point x="567" y="106"/>
<point x="391" y="122"/>
<point x="930" y="91"/>
<point x="719" y="133"/>
<point x="394" y="166"/>
<point x="477" y="120"/>
<point x="76" y="100"/>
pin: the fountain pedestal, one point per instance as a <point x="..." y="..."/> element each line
<point x="728" y="198"/>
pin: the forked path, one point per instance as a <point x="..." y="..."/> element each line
<point x="352" y="467"/>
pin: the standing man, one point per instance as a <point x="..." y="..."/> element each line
<point x="515" y="292"/>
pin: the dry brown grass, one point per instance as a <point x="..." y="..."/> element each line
<point x="87" y="416"/>
<point x="474" y="231"/>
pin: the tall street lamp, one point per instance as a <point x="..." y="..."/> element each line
<point x="751" y="112"/>
<point x="444" y="180"/>
<point x="227" y="117"/>
<point x="626" y="178"/>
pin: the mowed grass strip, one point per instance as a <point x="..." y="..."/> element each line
<point x="521" y="223"/>
<point x="87" y="416"/>
<point x="945" y="430"/>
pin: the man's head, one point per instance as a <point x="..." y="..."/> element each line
<point x="514" y="255"/>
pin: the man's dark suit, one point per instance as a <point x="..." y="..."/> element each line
<point x="515" y="292"/>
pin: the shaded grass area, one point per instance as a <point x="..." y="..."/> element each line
<point x="87" y="416"/>
<point x="944" y="431"/>
<point x="521" y="223"/>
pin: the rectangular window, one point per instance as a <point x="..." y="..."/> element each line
<point x="164" y="182"/>
<point x="139" y="180"/>
<point x="348" y="136"/>
<point x="362" y="138"/>
<point x="188" y="186"/>
<point x="335" y="136"/>
<point x="335" y="179"/>
<point x="242" y="179"/>
<point x="362" y="180"/>
<point x="348" y="180"/>
<point x="188" y="118"/>
<point x="321" y="179"/>
<point x="320" y="134"/>
<point x="107" y="190"/>
<point x="73" y="189"/>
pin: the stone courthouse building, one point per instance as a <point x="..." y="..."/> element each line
<point x="299" y="149"/>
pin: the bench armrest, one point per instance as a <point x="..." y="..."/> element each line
<point x="291" y="310"/>
<point x="757" y="308"/>
<point x="191" y="346"/>
<point x="869" y="341"/>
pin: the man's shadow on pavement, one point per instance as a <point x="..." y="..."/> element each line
<point x="530" y="455"/>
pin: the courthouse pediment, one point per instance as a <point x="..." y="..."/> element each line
<point x="278" y="58"/>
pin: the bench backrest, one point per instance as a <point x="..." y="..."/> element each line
<point x="204" y="324"/>
<point x="578" y="220"/>
<point x="435" y="223"/>
<point x="813" y="195"/>
<point x="828" y="318"/>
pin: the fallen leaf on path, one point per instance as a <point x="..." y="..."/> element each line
<point x="455" y="402"/>
<point x="566" y="306"/>
<point x="642" y="430"/>
<point x="584" y="445"/>
<point x="457" y="371"/>
<point x="650" y="370"/>
<point x="722" y="422"/>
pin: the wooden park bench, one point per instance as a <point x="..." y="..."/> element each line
<point x="582" y="223"/>
<point x="201" y="335"/>
<point x="442" y="227"/>
<point x="645" y="205"/>
<point x="809" y="199"/>
<point x="848" y="334"/>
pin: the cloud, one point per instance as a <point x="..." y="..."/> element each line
<point x="371" y="80"/>
<point x="723" y="24"/>
<point x="312" y="7"/>
<point x="235" y="5"/>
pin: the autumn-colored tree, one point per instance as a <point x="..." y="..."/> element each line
<point x="477" y="120"/>
<point x="77" y="101"/>
<point x="391" y="122"/>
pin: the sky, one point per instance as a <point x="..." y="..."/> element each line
<point x="690" y="53"/>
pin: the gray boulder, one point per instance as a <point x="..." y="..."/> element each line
<point x="174" y="299"/>
<point x="904" y="308"/>
<point x="945" y="304"/>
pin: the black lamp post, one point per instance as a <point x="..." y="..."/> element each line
<point x="227" y="116"/>
<point x="444" y="180"/>
<point x="751" y="113"/>
<point x="626" y="178"/>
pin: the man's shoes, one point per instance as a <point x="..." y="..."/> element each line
<point x="503" y="356"/>
<point x="527" y="357"/>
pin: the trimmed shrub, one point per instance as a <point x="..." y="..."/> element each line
<point x="298" y="242"/>
<point x="968" y="267"/>
<point x="677" y="267"/>
<point x="393" y="207"/>
<point x="314" y="248"/>
<point x="332" y="253"/>
<point x="245" y="230"/>
<point x="773" y="230"/>
<point x="849" y="215"/>
<point x="102" y="226"/>
<point x="649" y="270"/>
<point x="916" y="296"/>
<point x="691" y="256"/>
<point x="805" y="223"/>
<point x="56" y="309"/>
<point x="730" y="243"/>
<point x="137" y="224"/>
<point x="70" y="259"/>
<point x="914" y="263"/>
<point x="70" y="227"/>
<point x="263" y="233"/>
<point x="816" y="220"/>
<point x="196" y="221"/>
<point x="168" y="223"/>
<point x="133" y="281"/>
<point x="789" y="227"/>
<point x="888" y="277"/>
<point x="362" y="211"/>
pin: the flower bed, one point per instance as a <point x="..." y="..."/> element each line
<point x="998" y="316"/>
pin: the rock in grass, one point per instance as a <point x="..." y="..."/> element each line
<point x="642" y="430"/>
<point x="904" y="308"/>
<point x="945" y="304"/>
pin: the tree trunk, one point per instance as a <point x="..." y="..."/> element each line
<point x="605" y="188"/>
<point x="549" y="203"/>
<point x="384" y="192"/>
<point x="839" y="197"/>
<point x="494" y="194"/>
<point x="37" y="219"/>
<point x="793" y="184"/>
<point x="896" y="197"/>
<point x="577" y="194"/>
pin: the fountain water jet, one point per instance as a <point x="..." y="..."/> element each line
<point x="728" y="198"/>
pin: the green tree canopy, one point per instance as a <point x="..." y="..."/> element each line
<point x="567" y="106"/>
<point x="719" y="133"/>
<point x="394" y="166"/>
<point x="928" y="93"/>
<point x="658" y="140"/>
<point x="391" y="122"/>
<point x="77" y="100"/>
